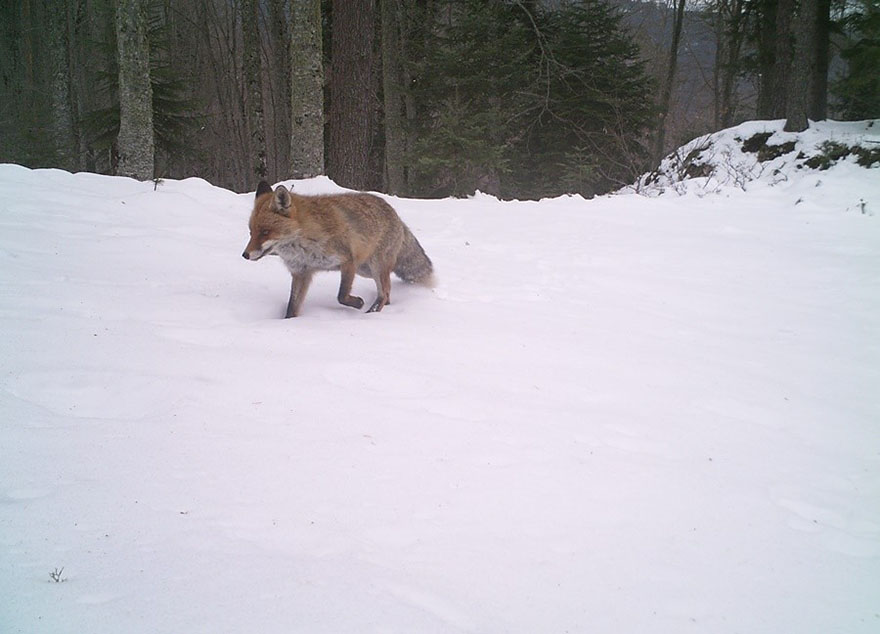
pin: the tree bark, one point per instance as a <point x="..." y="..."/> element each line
<point x="770" y="76"/>
<point x="732" y="33"/>
<point x="819" y="97"/>
<point x="393" y="104"/>
<point x="253" y="71"/>
<point x="279" y="44"/>
<point x="306" y="90"/>
<point x="136" y="140"/>
<point x="58" y="44"/>
<point x="785" y="14"/>
<point x="351" y="92"/>
<point x="801" y="72"/>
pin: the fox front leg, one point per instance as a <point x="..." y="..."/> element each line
<point x="299" y="286"/>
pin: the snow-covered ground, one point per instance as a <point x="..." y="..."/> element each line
<point x="628" y="414"/>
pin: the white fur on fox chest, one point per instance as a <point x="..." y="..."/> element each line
<point x="305" y="255"/>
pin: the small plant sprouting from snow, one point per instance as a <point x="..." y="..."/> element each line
<point x="55" y="575"/>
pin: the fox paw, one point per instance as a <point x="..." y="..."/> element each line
<point x="351" y="300"/>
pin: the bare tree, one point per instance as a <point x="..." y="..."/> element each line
<point x="136" y="140"/>
<point x="253" y="71"/>
<point x="58" y="45"/>
<point x="306" y="90"/>
<point x="730" y="31"/>
<point x="666" y="95"/>
<point x="278" y="125"/>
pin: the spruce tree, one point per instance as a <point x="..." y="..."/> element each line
<point x="523" y="101"/>
<point x="858" y="91"/>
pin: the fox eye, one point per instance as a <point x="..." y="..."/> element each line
<point x="264" y="233"/>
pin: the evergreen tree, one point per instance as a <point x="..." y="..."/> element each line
<point x="174" y="111"/>
<point x="858" y="91"/>
<point x="521" y="101"/>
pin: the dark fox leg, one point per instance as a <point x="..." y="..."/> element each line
<point x="383" y="290"/>
<point x="299" y="286"/>
<point x="345" y="297"/>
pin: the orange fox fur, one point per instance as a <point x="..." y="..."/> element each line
<point x="350" y="233"/>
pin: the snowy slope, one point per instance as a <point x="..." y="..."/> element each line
<point x="628" y="414"/>
<point x="757" y="155"/>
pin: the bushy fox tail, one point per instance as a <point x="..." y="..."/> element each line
<point x="413" y="265"/>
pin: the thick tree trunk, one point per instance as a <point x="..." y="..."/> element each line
<point x="819" y="97"/>
<point x="306" y="90"/>
<point x="58" y="45"/>
<point x="395" y="138"/>
<point x="135" y="142"/>
<point x="351" y="92"/>
<point x="801" y="73"/>
<point x="253" y="71"/>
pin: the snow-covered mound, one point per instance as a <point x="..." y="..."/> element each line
<point x="759" y="154"/>
<point x="620" y="415"/>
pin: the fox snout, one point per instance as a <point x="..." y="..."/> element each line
<point x="254" y="251"/>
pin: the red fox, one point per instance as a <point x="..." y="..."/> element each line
<point x="351" y="233"/>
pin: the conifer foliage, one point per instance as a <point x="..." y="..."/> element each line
<point x="859" y="89"/>
<point x="521" y="101"/>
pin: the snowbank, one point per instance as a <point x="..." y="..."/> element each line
<point x="619" y="415"/>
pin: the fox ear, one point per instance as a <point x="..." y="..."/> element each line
<point x="282" y="201"/>
<point x="263" y="188"/>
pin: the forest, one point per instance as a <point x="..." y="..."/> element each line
<point x="423" y="98"/>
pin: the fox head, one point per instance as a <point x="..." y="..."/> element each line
<point x="270" y="220"/>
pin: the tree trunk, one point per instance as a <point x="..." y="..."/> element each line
<point x="58" y="45"/>
<point x="801" y="73"/>
<point x="253" y="72"/>
<point x="819" y="97"/>
<point x="408" y="31"/>
<point x="784" y="58"/>
<point x="306" y="90"/>
<point x="351" y="92"/>
<point x="391" y="89"/>
<point x="733" y="34"/>
<point x="280" y="86"/>
<point x="666" y="95"/>
<point x="719" y="24"/>
<point x="769" y="76"/>
<point x="135" y="142"/>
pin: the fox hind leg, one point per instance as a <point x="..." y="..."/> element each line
<point x="347" y="270"/>
<point x="383" y="290"/>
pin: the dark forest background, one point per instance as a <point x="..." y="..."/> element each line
<point x="428" y="98"/>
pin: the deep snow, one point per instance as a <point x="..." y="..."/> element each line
<point x="627" y="414"/>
